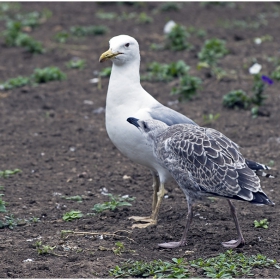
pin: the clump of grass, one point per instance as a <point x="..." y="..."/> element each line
<point x="81" y="31"/>
<point x="115" y="202"/>
<point x="76" y="64"/>
<point x="212" y="50"/>
<point x="156" y="269"/>
<point x="261" y="224"/>
<point x="176" y="39"/>
<point x="48" y="74"/>
<point x="72" y="215"/>
<point x="187" y="88"/>
<point x="165" y="72"/>
<point x="8" y="173"/>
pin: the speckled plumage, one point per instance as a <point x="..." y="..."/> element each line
<point x="209" y="160"/>
<point x="204" y="162"/>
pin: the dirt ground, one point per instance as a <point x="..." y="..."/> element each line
<point x="60" y="143"/>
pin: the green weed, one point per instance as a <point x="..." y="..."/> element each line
<point x="115" y="202"/>
<point x="10" y="221"/>
<point x="72" y="215"/>
<point x="155" y="269"/>
<point x="236" y="98"/>
<point x="8" y="173"/>
<point x="144" y="18"/>
<point x="43" y="249"/>
<point x="165" y="72"/>
<point x="2" y="204"/>
<point x="170" y="6"/>
<point x="81" y="31"/>
<point x="15" y="82"/>
<point x="14" y="37"/>
<point x="62" y="36"/>
<point x="231" y="264"/>
<point x="105" y="72"/>
<point x="188" y="87"/>
<point x="119" y="248"/>
<point x="48" y="74"/>
<point x="106" y="16"/>
<point x="276" y="74"/>
<point x="2" y="188"/>
<point x="76" y="64"/>
<point x="176" y="39"/>
<point x="261" y="224"/>
<point x="212" y="50"/>
<point x="210" y="118"/>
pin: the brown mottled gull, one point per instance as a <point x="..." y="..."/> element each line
<point x="204" y="162"/>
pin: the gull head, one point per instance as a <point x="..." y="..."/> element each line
<point x="122" y="49"/>
<point x="149" y="128"/>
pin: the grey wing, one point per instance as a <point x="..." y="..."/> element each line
<point x="169" y="116"/>
<point x="211" y="159"/>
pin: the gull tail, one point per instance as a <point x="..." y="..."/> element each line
<point x="259" y="168"/>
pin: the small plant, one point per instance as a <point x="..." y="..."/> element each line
<point x="15" y="82"/>
<point x="176" y="39"/>
<point x="115" y="201"/>
<point x="170" y="6"/>
<point x="276" y="74"/>
<point x="81" y="31"/>
<point x="188" y="87"/>
<point x="14" y="37"/>
<point x="212" y="50"/>
<point x="236" y="98"/>
<point x="10" y="222"/>
<point x="231" y="264"/>
<point x="72" y="215"/>
<point x="76" y="64"/>
<point x="107" y="16"/>
<point x="144" y="18"/>
<point x="43" y="249"/>
<point x="61" y="36"/>
<point x="77" y="198"/>
<point x="105" y="72"/>
<point x="119" y="248"/>
<point x="210" y="118"/>
<point x="8" y="173"/>
<point x="2" y="204"/>
<point x="48" y="74"/>
<point x="261" y="224"/>
<point x="155" y="269"/>
<point x="165" y="72"/>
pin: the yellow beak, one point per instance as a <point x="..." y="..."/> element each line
<point x="107" y="55"/>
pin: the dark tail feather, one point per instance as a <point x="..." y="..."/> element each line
<point x="261" y="198"/>
<point x="259" y="168"/>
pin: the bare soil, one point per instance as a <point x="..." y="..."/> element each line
<point x="61" y="145"/>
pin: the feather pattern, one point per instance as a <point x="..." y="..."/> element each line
<point x="204" y="161"/>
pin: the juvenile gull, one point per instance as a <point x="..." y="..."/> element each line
<point x="126" y="98"/>
<point x="204" y="162"/>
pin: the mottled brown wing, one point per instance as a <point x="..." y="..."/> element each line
<point x="211" y="160"/>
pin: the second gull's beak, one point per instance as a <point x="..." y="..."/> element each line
<point x="107" y="55"/>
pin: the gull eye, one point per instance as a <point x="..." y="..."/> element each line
<point x="144" y="125"/>
<point x="127" y="45"/>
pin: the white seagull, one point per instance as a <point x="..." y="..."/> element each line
<point x="126" y="97"/>
<point x="204" y="162"/>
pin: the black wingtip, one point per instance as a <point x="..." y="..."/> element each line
<point x="133" y="121"/>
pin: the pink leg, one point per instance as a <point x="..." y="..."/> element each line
<point x="183" y="240"/>
<point x="240" y="241"/>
